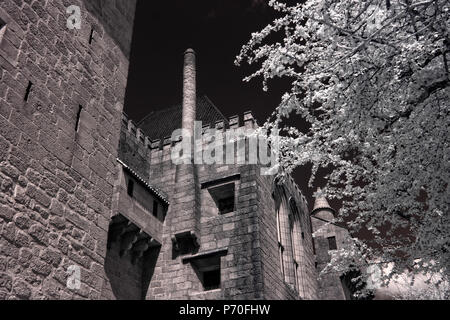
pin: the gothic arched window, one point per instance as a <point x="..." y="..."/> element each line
<point x="290" y="235"/>
<point x="285" y="241"/>
<point x="297" y="236"/>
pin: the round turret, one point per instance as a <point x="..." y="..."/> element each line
<point x="322" y="208"/>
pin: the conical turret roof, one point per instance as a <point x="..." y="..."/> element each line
<point x="321" y="203"/>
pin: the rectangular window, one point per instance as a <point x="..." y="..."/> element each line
<point x="332" y="243"/>
<point x="219" y="196"/>
<point x="130" y="187"/>
<point x="155" y="208"/>
<point x="223" y="196"/>
<point x="211" y="279"/>
<point x="207" y="268"/>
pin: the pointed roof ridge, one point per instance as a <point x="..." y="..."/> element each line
<point x="321" y="203"/>
<point x="161" y="123"/>
<point x="153" y="112"/>
<point x="204" y="96"/>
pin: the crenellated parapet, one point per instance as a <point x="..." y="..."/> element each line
<point x="138" y="136"/>
<point x="135" y="132"/>
<point x="134" y="147"/>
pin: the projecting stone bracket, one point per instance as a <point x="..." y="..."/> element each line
<point x="206" y="254"/>
<point x="185" y="242"/>
<point x="131" y="238"/>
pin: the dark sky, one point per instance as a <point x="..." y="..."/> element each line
<point x="216" y="30"/>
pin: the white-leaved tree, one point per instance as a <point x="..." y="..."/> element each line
<point x="371" y="78"/>
<point x="409" y="286"/>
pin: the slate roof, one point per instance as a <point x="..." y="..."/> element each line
<point x="155" y="191"/>
<point x="321" y="203"/>
<point x="161" y="123"/>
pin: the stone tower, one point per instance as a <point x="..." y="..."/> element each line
<point x="61" y="98"/>
<point x="225" y="232"/>
<point x="328" y="236"/>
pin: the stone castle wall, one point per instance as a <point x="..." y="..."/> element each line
<point x="307" y="275"/>
<point x="250" y="268"/>
<point x="330" y="285"/>
<point x="57" y="181"/>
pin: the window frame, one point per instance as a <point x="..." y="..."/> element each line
<point x="332" y="243"/>
<point x="211" y="186"/>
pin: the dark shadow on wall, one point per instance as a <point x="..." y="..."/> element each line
<point x="150" y="258"/>
<point x="124" y="277"/>
<point x="128" y="280"/>
<point x="130" y="261"/>
<point x="117" y="18"/>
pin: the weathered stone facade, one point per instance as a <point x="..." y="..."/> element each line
<point x="61" y="98"/>
<point x="81" y="185"/>
<point x="244" y="240"/>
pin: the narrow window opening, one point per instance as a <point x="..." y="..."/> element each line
<point x="77" y="122"/>
<point x="315" y="265"/>
<point x="91" y="36"/>
<point x="211" y="279"/>
<point x="130" y="188"/>
<point x="155" y="208"/>
<point x="332" y="243"/>
<point x="223" y="196"/>
<point x="226" y="205"/>
<point x="294" y="255"/>
<point x="314" y="246"/>
<point x="208" y="271"/>
<point x="303" y="235"/>
<point x="280" y="245"/>
<point x="28" y="91"/>
<point x="162" y="211"/>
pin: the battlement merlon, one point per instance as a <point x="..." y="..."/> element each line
<point x="249" y="120"/>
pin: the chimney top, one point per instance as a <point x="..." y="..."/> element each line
<point x="189" y="91"/>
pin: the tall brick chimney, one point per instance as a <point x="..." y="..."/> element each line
<point x="189" y="90"/>
<point x="185" y="207"/>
